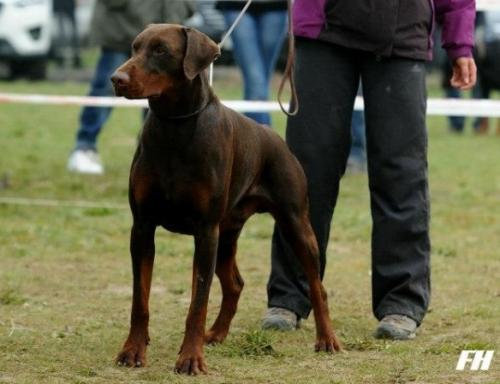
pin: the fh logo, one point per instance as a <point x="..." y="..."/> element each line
<point x="478" y="359"/>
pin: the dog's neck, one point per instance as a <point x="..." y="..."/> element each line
<point x="188" y="100"/>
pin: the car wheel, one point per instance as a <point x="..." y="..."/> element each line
<point x="35" y="69"/>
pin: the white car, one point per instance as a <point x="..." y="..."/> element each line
<point x="25" y="36"/>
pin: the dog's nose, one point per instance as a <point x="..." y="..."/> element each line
<point x="120" y="79"/>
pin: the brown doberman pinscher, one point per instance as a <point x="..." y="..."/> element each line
<point x="202" y="169"/>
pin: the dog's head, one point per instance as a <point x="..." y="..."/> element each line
<point x="163" y="55"/>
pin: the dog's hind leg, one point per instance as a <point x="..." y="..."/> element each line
<point x="231" y="283"/>
<point x="142" y="249"/>
<point x="297" y="230"/>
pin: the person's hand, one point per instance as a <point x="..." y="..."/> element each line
<point x="464" y="73"/>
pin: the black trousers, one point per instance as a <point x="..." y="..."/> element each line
<point x="327" y="78"/>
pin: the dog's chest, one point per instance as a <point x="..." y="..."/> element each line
<point x="178" y="191"/>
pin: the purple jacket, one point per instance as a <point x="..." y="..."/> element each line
<point x="313" y="19"/>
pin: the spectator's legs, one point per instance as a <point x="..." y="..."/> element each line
<point x="75" y="44"/>
<point x="456" y="122"/>
<point x="358" y="135"/>
<point x="93" y="118"/>
<point x="271" y="26"/>
<point x="327" y="79"/>
<point x="248" y="55"/>
<point x="357" y="157"/>
<point x="60" y="41"/>
<point x="481" y="124"/>
<point x="395" y="110"/>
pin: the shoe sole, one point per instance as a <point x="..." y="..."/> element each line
<point x="278" y="324"/>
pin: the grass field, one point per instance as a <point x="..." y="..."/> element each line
<point x="65" y="276"/>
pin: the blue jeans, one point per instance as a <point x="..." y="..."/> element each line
<point x="457" y="123"/>
<point x="358" y="139"/>
<point x="93" y="118"/>
<point x="358" y="145"/>
<point x="257" y="42"/>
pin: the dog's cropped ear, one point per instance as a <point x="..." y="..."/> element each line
<point x="200" y="52"/>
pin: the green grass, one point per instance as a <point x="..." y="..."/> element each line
<point x="65" y="277"/>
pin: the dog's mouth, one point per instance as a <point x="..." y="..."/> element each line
<point x="120" y="91"/>
<point x="130" y="92"/>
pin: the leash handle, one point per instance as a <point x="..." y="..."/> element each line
<point x="289" y="69"/>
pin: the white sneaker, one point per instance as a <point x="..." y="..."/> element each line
<point x="85" y="161"/>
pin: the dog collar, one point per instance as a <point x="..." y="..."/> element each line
<point x="188" y="115"/>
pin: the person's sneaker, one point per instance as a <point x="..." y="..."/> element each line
<point x="85" y="161"/>
<point x="280" y="319"/>
<point x="396" y="327"/>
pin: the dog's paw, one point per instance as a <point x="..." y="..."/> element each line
<point x="328" y="344"/>
<point x="191" y="363"/>
<point x="132" y="355"/>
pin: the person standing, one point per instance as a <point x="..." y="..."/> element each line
<point x="457" y="123"/>
<point x="115" y="24"/>
<point x="488" y="59"/>
<point x="64" y="12"/>
<point x="257" y="42"/>
<point x="385" y="44"/>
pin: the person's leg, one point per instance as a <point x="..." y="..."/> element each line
<point x="60" y="41"/>
<point x="271" y="26"/>
<point x="456" y="122"/>
<point x="395" y="111"/>
<point x="247" y="53"/>
<point x="358" y="135"/>
<point x="93" y="118"/>
<point x="357" y="157"/>
<point x="319" y="136"/>
<point x="75" y="43"/>
<point x="481" y="91"/>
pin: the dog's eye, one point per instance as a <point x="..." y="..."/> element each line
<point x="136" y="46"/>
<point x="159" y="50"/>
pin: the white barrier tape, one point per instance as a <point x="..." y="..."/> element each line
<point x="59" y="203"/>
<point x="446" y="107"/>
<point x="89" y="101"/>
<point x="481" y="5"/>
<point x="461" y="107"/>
<point x="488" y="5"/>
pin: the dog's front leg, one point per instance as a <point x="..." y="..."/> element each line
<point x="191" y="360"/>
<point x="142" y="249"/>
